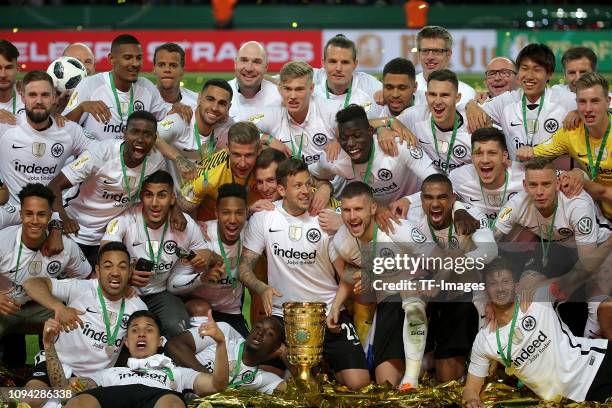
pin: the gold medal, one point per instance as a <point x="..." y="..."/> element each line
<point x="510" y="370"/>
<point x="109" y="350"/>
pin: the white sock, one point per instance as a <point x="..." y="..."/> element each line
<point x="197" y="321"/>
<point x="414" y="335"/>
<point x="592" y="330"/>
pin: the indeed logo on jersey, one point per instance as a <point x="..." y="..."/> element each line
<point x="33" y="168"/>
<point x="532" y="351"/>
<point x="293" y="256"/>
<point x="100" y="336"/>
<point x="120" y="199"/>
<point x="118" y="128"/>
<point x="384" y="190"/>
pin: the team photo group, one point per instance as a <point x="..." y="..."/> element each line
<point x="152" y="236"/>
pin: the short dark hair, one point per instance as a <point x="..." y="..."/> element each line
<point x="579" y="52"/>
<point x="37" y="76"/>
<point x="8" y="50"/>
<point x="539" y="163"/>
<point x="340" y="41"/>
<point x="144" y="115"/>
<point x="232" y="190"/>
<point x="36" y="190"/>
<point x="437" y="178"/>
<point x="243" y="133"/>
<point x="159" y="177"/>
<point x="444" y="75"/>
<point x="145" y="313"/>
<point x="352" y="113"/>
<point x="289" y="167"/>
<point x="541" y="54"/>
<point x="170" y="47"/>
<point x="269" y="156"/>
<point x="591" y="79"/>
<point x="498" y="264"/>
<point x="122" y="40"/>
<point x="434" y="33"/>
<point x="113" y="246"/>
<point x="276" y="323"/>
<point x="356" y="189"/>
<point x="489" y="134"/>
<point x="219" y="83"/>
<point x="400" y="66"/>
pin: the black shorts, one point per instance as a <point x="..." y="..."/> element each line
<point x="237" y="321"/>
<point x="342" y="350"/>
<point x="129" y="396"/>
<point x="452" y="328"/>
<point x="388" y="338"/>
<point x="601" y="387"/>
<point x="39" y="372"/>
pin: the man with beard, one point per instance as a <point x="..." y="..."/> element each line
<point x="399" y="87"/>
<point x="36" y="148"/>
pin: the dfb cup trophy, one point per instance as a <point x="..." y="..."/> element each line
<point x="304" y="332"/>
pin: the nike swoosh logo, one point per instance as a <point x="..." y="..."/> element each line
<point x="188" y="150"/>
<point x="414" y="324"/>
<point x="136" y="243"/>
<point x="271" y="230"/>
<point x="106" y="182"/>
<point x="18" y="147"/>
<point x="421" y="141"/>
<point x="582" y="155"/>
<point x="515" y="124"/>
<point x="89" y="310"/>
<point x="471" y="199"/>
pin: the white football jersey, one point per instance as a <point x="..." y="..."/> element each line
<point x="418" y="120"/>
<point x="17" y="269"/>
<point x="418" y="98"/>
<point x="97" y="88"/>
<point x="184" y="378"/>
<point x="506" y="111"/>
<point x="299" y="256"/>
<point x="254" y="108"/>
<point x="391" y="178"/>
<point x="102" y="194"/>
<point x="357" y="97"/>
<point x="188" y="97"/>
<point x="568" y="92"/>
<point x="129" y="228"/>
<point x="361" y="80"/>
<point x="222" y="296"/>
<point x="263" y="381"/>
<point x="14" y="105"/>
<point x="467" y="92"/>
<point x="82" y="351"/>
<point x="466" y="184"/>
<point x="547" y="357"/>
<point x="575" y="222"/>
<point x="313" y="135"/>
<point x="30" y="156"/>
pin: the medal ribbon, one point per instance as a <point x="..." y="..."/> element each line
<point x="492" y="223"/>
<point x="451" y="143"/>
<point x="602" y="146"/>
<point x="228" y="269"/>
<point x="233" y="383"/>
<point x="347" y="98"/>
<point x="373" y="244"/>
<point x="210" y="145"/>
<point x="114" y="89"/>
<point x="110" y="337"/>
<point x="524" y="109"/>
<point x="14" y="102"/>
<point x="161" y="243"/>
<point x="126" y="183"/>
<point x="299" y="153"/>
<point x="546" y="247"/>
<point x="435" y="238"/>
<point x="366" y="176"/>
<point x="507" y="359"/>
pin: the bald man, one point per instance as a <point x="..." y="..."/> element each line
<point x="82" y="53"/>
<point x="500" y="76"/>
<point x="252" y="93"/>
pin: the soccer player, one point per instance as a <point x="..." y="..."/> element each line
<point x="440" y="126"/>
<point x="21" y="259"/>
<point x="92" y="313"/>
<point x="222" y="296"/>
<point x="150" y="379"/>
<point x="110" y="175"/>
<point x="435" y="47"/>
<point x="265" y="179"/>
<point x="300" y="267"/>
<point x="527" y="116"/>
<point x="145" y="230"/>
<point x="399" y="87"/>
<point x="168" y="68"/>
<point x="576" y="62"/>
<point x="339" y="84"/>
<point x="500" y="77"/>
<point x="252" y="94"/>
<point x="36" y="147"/>
<point x="263" y="343"/>
<point x="588" y="145"/>
<point x="82" y="53"/>
<point x="10" y="100"/>
<point x="533" y="344"/>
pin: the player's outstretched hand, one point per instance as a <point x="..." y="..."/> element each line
<point x="51" y="330"/>
<point x="186" y="168"/>
<point x="572" y="182"/>
<point x="404" y="134"/>
<point x="7" y="305"/>
<point x="386" y="141"/>
<point x="184" y="111"/>
<point x="7" y="117"/>
<point x="178" y="221"/>
<point x="261" y="205"/>
<point x="386" y="219"/>
<point x="211" y="329"/>
<point x="378" y="98"/>
<point x="464" y="223"/>
<point x="332" y="150"/>
<point x="400" y="207"/>
<point x="524" y="153"/>
<point x="330" y="221"/>
<point x="68" y="318"/>
<point x="98" y="109"/>
<point x="476" y="116"/>
<point x="572" y="120"/>
<point x="70" y="226"/>
<point x="54" y="244"/>
<point x="332" y="320"/>
<point x="267" y="298"/>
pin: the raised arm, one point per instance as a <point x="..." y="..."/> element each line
<point x="182" y="350"/>
<point x="40" y="290"/>
<point x="206" y="383"/>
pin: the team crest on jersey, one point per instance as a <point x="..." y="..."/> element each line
<point x="319" y="139"/>
<point x="454" y="243"/>
<point x="551" y="125"/>
<point x="528" y="323"/>
<point x="255" y="118"/>
<point x="566" y="232"/>
<point x="79" y="163"/>
<point x="38" y="149"/>
<point x="386" y="253"/>
<point x="34" y="268"/>
<point x="248" y="377"/>
<point x="417" y="236"/>
<point x="313" y="235"/>
<point x="9" y="208"/>
<point x="170" y="247"/>
<point x="57" y="150"/>
<point x="416" y="152"/>
<point x="385" y="174"/>
<point x="138" y="106"/>
<point x="53" y="268"/>
<point x="585" y="225"/>
<point x="295" y="232"/>
<point x="112" y="227"/>
<point x="124" y="321"/>
<point x="505" y="213"/>
<point x="459" y="151"/>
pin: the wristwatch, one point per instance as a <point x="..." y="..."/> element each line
<point x="55" y="224"/>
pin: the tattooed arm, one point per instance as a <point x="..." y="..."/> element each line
<point x="57" y="378"/>
<point x="248" y="260"/>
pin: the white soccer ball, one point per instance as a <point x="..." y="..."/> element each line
<point x="66" y="72"/>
